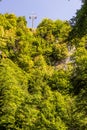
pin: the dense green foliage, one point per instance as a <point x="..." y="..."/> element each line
<point x="43" y="76"/>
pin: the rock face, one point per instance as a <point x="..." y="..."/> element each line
<point x="64" y="63"/>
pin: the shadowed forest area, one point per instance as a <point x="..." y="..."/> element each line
<point x="43" y="73"/>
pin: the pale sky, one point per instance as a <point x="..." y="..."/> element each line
<point x="53" y="9"/>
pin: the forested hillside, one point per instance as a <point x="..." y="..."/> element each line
<point x="43" y="73"/>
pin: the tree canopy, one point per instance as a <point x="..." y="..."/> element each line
<point x="43" y="73"/>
